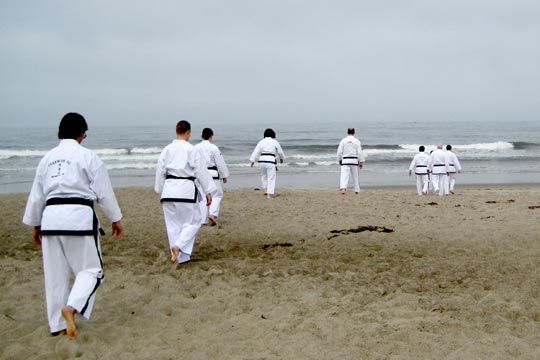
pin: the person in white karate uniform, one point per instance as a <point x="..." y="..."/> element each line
<point x="439" y="168"/>
<point x="419" y="165"/>
<point x="218" y="169"/>
<point x="68" y="180"/>
<point x="351" y="159"/>
<point x="455" y="166"/>
<point x="182" y="179"/>
<point x="266" y="153"/>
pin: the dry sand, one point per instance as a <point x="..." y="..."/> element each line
<point x="457" y="277"/>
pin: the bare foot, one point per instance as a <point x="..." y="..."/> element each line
<point x="69" y="315"/>
<point x="59" y="333"/>
<point x="268" y="196"/>
<point x="213" y="220"/>
<point x="175" y="252"/>
<point x="343" y="191"/>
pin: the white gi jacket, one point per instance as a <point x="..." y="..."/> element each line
<point x="349" y="151"/>
<point x="70" y="171"/>
<point x="268" y="150"/>
<point x="178" y="166"/>
<point x="453" y="162"/>
<point x="420" y="163"/>
<point x="214" y="160"/>
<point x="438" y="162"/>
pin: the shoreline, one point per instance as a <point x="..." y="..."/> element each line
<point x="284" y="181"/>
<point x="310" y="274"/>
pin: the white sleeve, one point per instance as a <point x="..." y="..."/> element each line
<point x="361" y="157"/>
<point x="36" y="202"/>
<point x="280" y="151"/>
<point x="160" y="174"/>
<point x="413" y="163"/>
<point x="102" y="187"/>
<point x="457" y="163"/>
<point x="256" y="153"/>
<point x="340" y="151"/>
<point x="220" y="163"/>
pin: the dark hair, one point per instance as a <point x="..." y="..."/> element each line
<point x="72" y="126"/>
<point x="350" y="131"/>
<point x="448" y="147"/>
<point x="269" y="133"/>
<point x="183" y="127"/>
<point x="207" y="133"/>
<point x="421" y="148"/>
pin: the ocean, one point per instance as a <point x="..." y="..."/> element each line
<point x="490" y="153"/>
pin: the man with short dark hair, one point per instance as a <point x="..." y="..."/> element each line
<point x="351" y="159"/>
<point x="182" y="179"/>
<point x="266" y="153"/>
<point x="420" y="164"/>
<point x="68" y="180"/>
<point x="455" y="166"/>
<point x="218" y="169"/>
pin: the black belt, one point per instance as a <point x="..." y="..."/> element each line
<point x="70" y="201"/>
<point x="75" y="201"/>
<point x="215" y="169"/>
<point x="267" y="161"/>
<point x="439" y="165"/>
<point x="421" y="165"/>
<point x="192" y="178"/>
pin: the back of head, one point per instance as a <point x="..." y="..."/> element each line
<point x="182" y="127"/>
<point x="207" y="133"/>
<point x="350" y="131"/>
<point x="439" y="146"/>
<point x="421" y="148"/>
<point x="72" y="126"/>
<point x="269" y="133"/>
<point x="448" y="147"/>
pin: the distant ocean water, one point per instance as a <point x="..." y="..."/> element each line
<point x="489" y="153"/>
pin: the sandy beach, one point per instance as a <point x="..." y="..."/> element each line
<point x="309" y="274"/>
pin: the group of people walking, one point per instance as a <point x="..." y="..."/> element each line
<point x="70" y="178"/>
<point x="436" y="171"/>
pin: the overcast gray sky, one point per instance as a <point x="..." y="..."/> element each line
<point x="144" y="62"/>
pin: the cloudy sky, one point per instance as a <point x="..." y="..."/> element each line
<point x="144" y="62"/>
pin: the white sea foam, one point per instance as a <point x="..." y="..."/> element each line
<point x="125" y="166"/>
<point x="491" y="146"/>
<point x="150" y="150"/>
<point x="102" y="152"/>
<point x="7" y="153"/>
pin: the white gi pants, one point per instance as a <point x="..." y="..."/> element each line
<point x="439" y="183"/>
<point x="63" y="255"/>
<point x="214" y="207"/>
<point x="451" y="182"/>
<point x="346" y="171"/>
<point x="183" y="221"/>
<point x="422" y="183"/>
<point x="268" y="177"/>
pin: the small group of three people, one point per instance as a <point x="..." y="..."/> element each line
<point x="60" y="207"/>
<point x="437" y="170"/>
